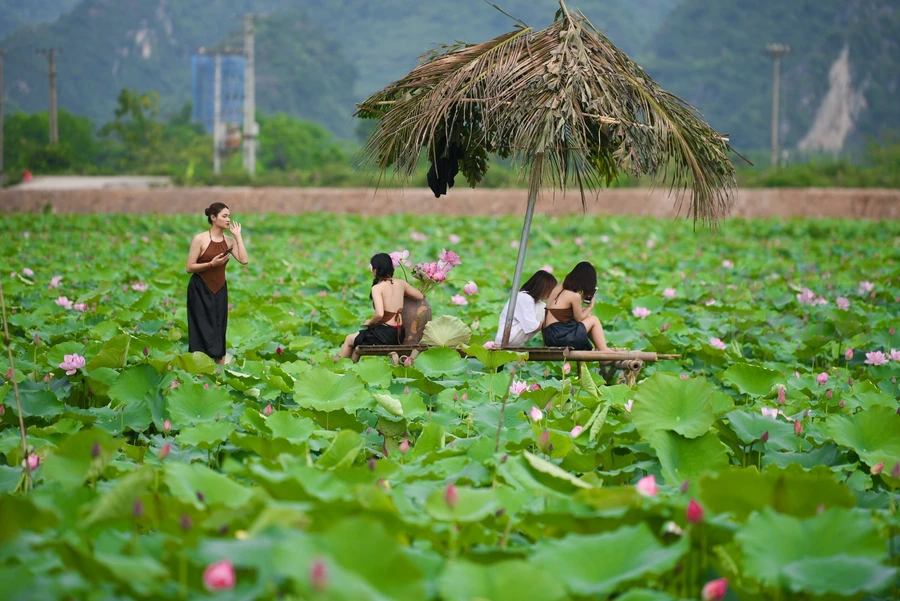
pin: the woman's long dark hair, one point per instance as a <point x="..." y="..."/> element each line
<point x="539" y="285"/>
<point x="384" y="268"/>
<point x="582" y="278"/>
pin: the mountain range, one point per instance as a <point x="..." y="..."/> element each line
<point x="838" y="83"/>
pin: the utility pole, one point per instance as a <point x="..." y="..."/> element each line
<point x="50" y="53"/>
<point x="776" y="51"/>
<point x="217" y="117"/>
<point x="1" y="117"/>
<point x="250" y="127"/>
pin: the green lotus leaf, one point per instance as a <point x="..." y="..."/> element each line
<point x="288" y="426"/>
<point x="36" y="403"/>
<point x="140" y="385"/>
<point x="324" y="390"/>
<point x="190" y="404"/>
<point x="688" y="458"/>
<point x="196" y="363"/>
<point x="185" y="481"/>
<point x="573" y="559"/>
<point x="440" y="362"/>
<point x="72" y="462"/>
<point x="373" y="371"/>
<point x="390" y="404"/>
<point x="781" y="550"/>
<point x="514" y="580"/>
<point x="343" y="450"/>
<point x="492" y="359"/>
<point x="545" y="467"/>
<point x="206" y="435"/>
<point x="749" y="428"/>
<point x="666" y="402"/>
<point x="446" y="330"/>
<point x="752" y="379"/>
<point x="873" y="434"/>
<point x="791" y="491"/>
<point x="113" y="354"/>
<point x="430" y="440"/>
<point x="118" y="503"/>
<point x="472" y="504"/>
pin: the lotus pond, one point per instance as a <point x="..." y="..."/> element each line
<point x="762" y="464"/>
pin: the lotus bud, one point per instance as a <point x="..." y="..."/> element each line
<point x="404" y="447"/>
<point x="576" y="431"/>
<point x="201" y="497"/>
<point x="2" y="410"/>
<point x="186" y="523"/>
<point x="567" y="367"/>
<point x="455" y="396"/>
<point x="505" y="457"/>
<point x="9" y="374"/>
<point x="95" y="450"/>
<point x="822" y="379"/>
<point x="842" y="404"/>
<point x="406" y="390"/>
<point x="318" y="575"/>
<point x="544" y="440"/>
<point x="372" y="463"/>
<point x="451" y="496"/>
<point x="765" y="437"/>
<point x="685" y="486"/>
<point x="714" y="590"/>
<point x="895" y="471"/>
<point x="268" y="410"/>
<point x="34" y="462"/>
<point x="37" y="339"/>
<point x="138" y="509"/>
<point x="683" y="377"/>
<point x="798" y="427"/>
<point x="536" y="414"/>
<point x="465" y="396"/>
<point x="279" y="351"/>
<point x="167" y="425"/>
<point x="664" y="327"/>
<point x="891" y="331"/>
<point x="694" y="512"/>
<point x="877" y="468"/>
<point x="164" y="451"/>
<point x="47" y="379"/>
<point x="535" y="386"/>
<point x="848" y="354"/>
<point x="219" y="576"/>
<point x="146" y="351"/>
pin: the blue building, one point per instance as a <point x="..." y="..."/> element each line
<point x="203" y="81"/>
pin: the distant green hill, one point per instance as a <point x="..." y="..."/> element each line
<point x="15" y="14"/>
<point x="711" y="54"/>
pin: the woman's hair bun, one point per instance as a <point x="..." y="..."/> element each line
<point x="206" y="211"/>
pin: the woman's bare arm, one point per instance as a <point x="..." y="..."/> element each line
<point x="411" y="292"/>
<point x="378" y="303"/>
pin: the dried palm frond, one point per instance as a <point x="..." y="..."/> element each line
<point x="564" y="93"/>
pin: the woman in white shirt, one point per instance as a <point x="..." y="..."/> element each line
<point x="531" y="303"/>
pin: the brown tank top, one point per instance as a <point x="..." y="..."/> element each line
<point x="214" y="277"/>
<point x="562" y="315"/>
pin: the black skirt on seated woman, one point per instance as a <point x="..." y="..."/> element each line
<point x="571" y="334"/>
<point x="380" y="335"/>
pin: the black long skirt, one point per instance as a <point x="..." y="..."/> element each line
<point x="207" y="317"/>
<point x="572" y="334"/>
<point x="380" y="335"/>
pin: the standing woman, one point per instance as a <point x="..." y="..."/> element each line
<point x="207" y="294"/>
<point x="385" y="327"/>
<point x="570" y="323"/>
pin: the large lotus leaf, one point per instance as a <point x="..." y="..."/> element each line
<point x="791" y="491"/>
<point x="374" y="371"/>
<point x="72" y="462"/>
<point x="514" y="580"/>
<point x="628" y="554"/>
<point x="873" y="434"/>
<point x="446" y="330"/>
<point x="196" y="362"/>
<point x="206" y="435"/>
<point x="472" y="504"/>
<point x="492" y="359"/>
<point x="439" y="362"/>
<point x="752" y="379"/>
<point x="750" y="427"/>
<point x="828" y="455"/>
<point x="113" y="354"/>
<point x="191" y="404"/>
<point x="36" y="403"/>
<point x="666" y="402"/>
<point x="324" y="390"/>
<point x="140" y="385"/>
<point x="19" y="513"/>
<point x="546" y="479"/>
<point x="343" y="450"/>
<point x="288" y="426"/>
<point x="364" y="546"/>
<point x="118" y="503"/>
<point x="188" y="482"/>
<point x="688" y="458"/>
<point x="781" y="550"/>
<point x="431" y="439"/>
<point x="143" y="573"/>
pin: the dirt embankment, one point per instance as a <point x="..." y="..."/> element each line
<point x="760" y="202"/>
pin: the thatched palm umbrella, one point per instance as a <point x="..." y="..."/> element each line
<point x="567" y="106"/>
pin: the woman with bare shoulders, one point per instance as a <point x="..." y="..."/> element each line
<point x="207" y="294"/>
<point x="569" y="321"/>
<point x="385" y="327"/>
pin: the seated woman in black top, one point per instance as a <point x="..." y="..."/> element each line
<point x="385" y="327"/>
<point x="568" y="322"/>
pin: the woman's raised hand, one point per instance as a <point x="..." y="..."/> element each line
<point x="235" y="229"/>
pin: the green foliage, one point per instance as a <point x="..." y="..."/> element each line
<point x="349" y="475"/>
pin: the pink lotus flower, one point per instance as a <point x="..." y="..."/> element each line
<point x="139" y="287"/>
<point x="717" y="343"/>
<point x="646" y="486"/>
<point x="822" y="379"/>
<point x="34" y="462"/>
<point x="576" y="431"/>
<point x="694" y="512"/>
<point x="535" y="414"/>
<point x="439" y="276"/>
<point x="451" y="496"/>
<point x="651" y="243"/>
<point x="27" y="272"/>
<point x="547" y="268"/>
<point x="727" y="264"/>
<point x="175" y="384"/>
<point x="579" y="241"/>
<point x="714" y="590"/>
<point x="449" y="257"/>
<point x="641" y="312"/>
<point x="848" y="354"/>
<point x="518" y="387"/>
<point x="470" y="288"/>
<point x="81" y="307"/>
<point x="219" y="576"/>
<point x="895" y="355"/>
<point x="876" y="358"/>
<point x="63" y="302"/>
<point x="808" y="297"/>
<point x="454" y="239"/>
<point x="72" y="363"/>
<point x="866" y="287"/>
<point x="399" y="257"/>
<point x="629" y="405"/>
<point x="459" y="299"/>
<point x="710" y="302"/>
<point x="535" y="387"/>
<point x="842" y="303"/>
<point x="669" y="293"/>
<point x="418" y="236"/>
<point x="490" y="344"/>
<point x="54" y="282"/>
<point x="683" y="377"/>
